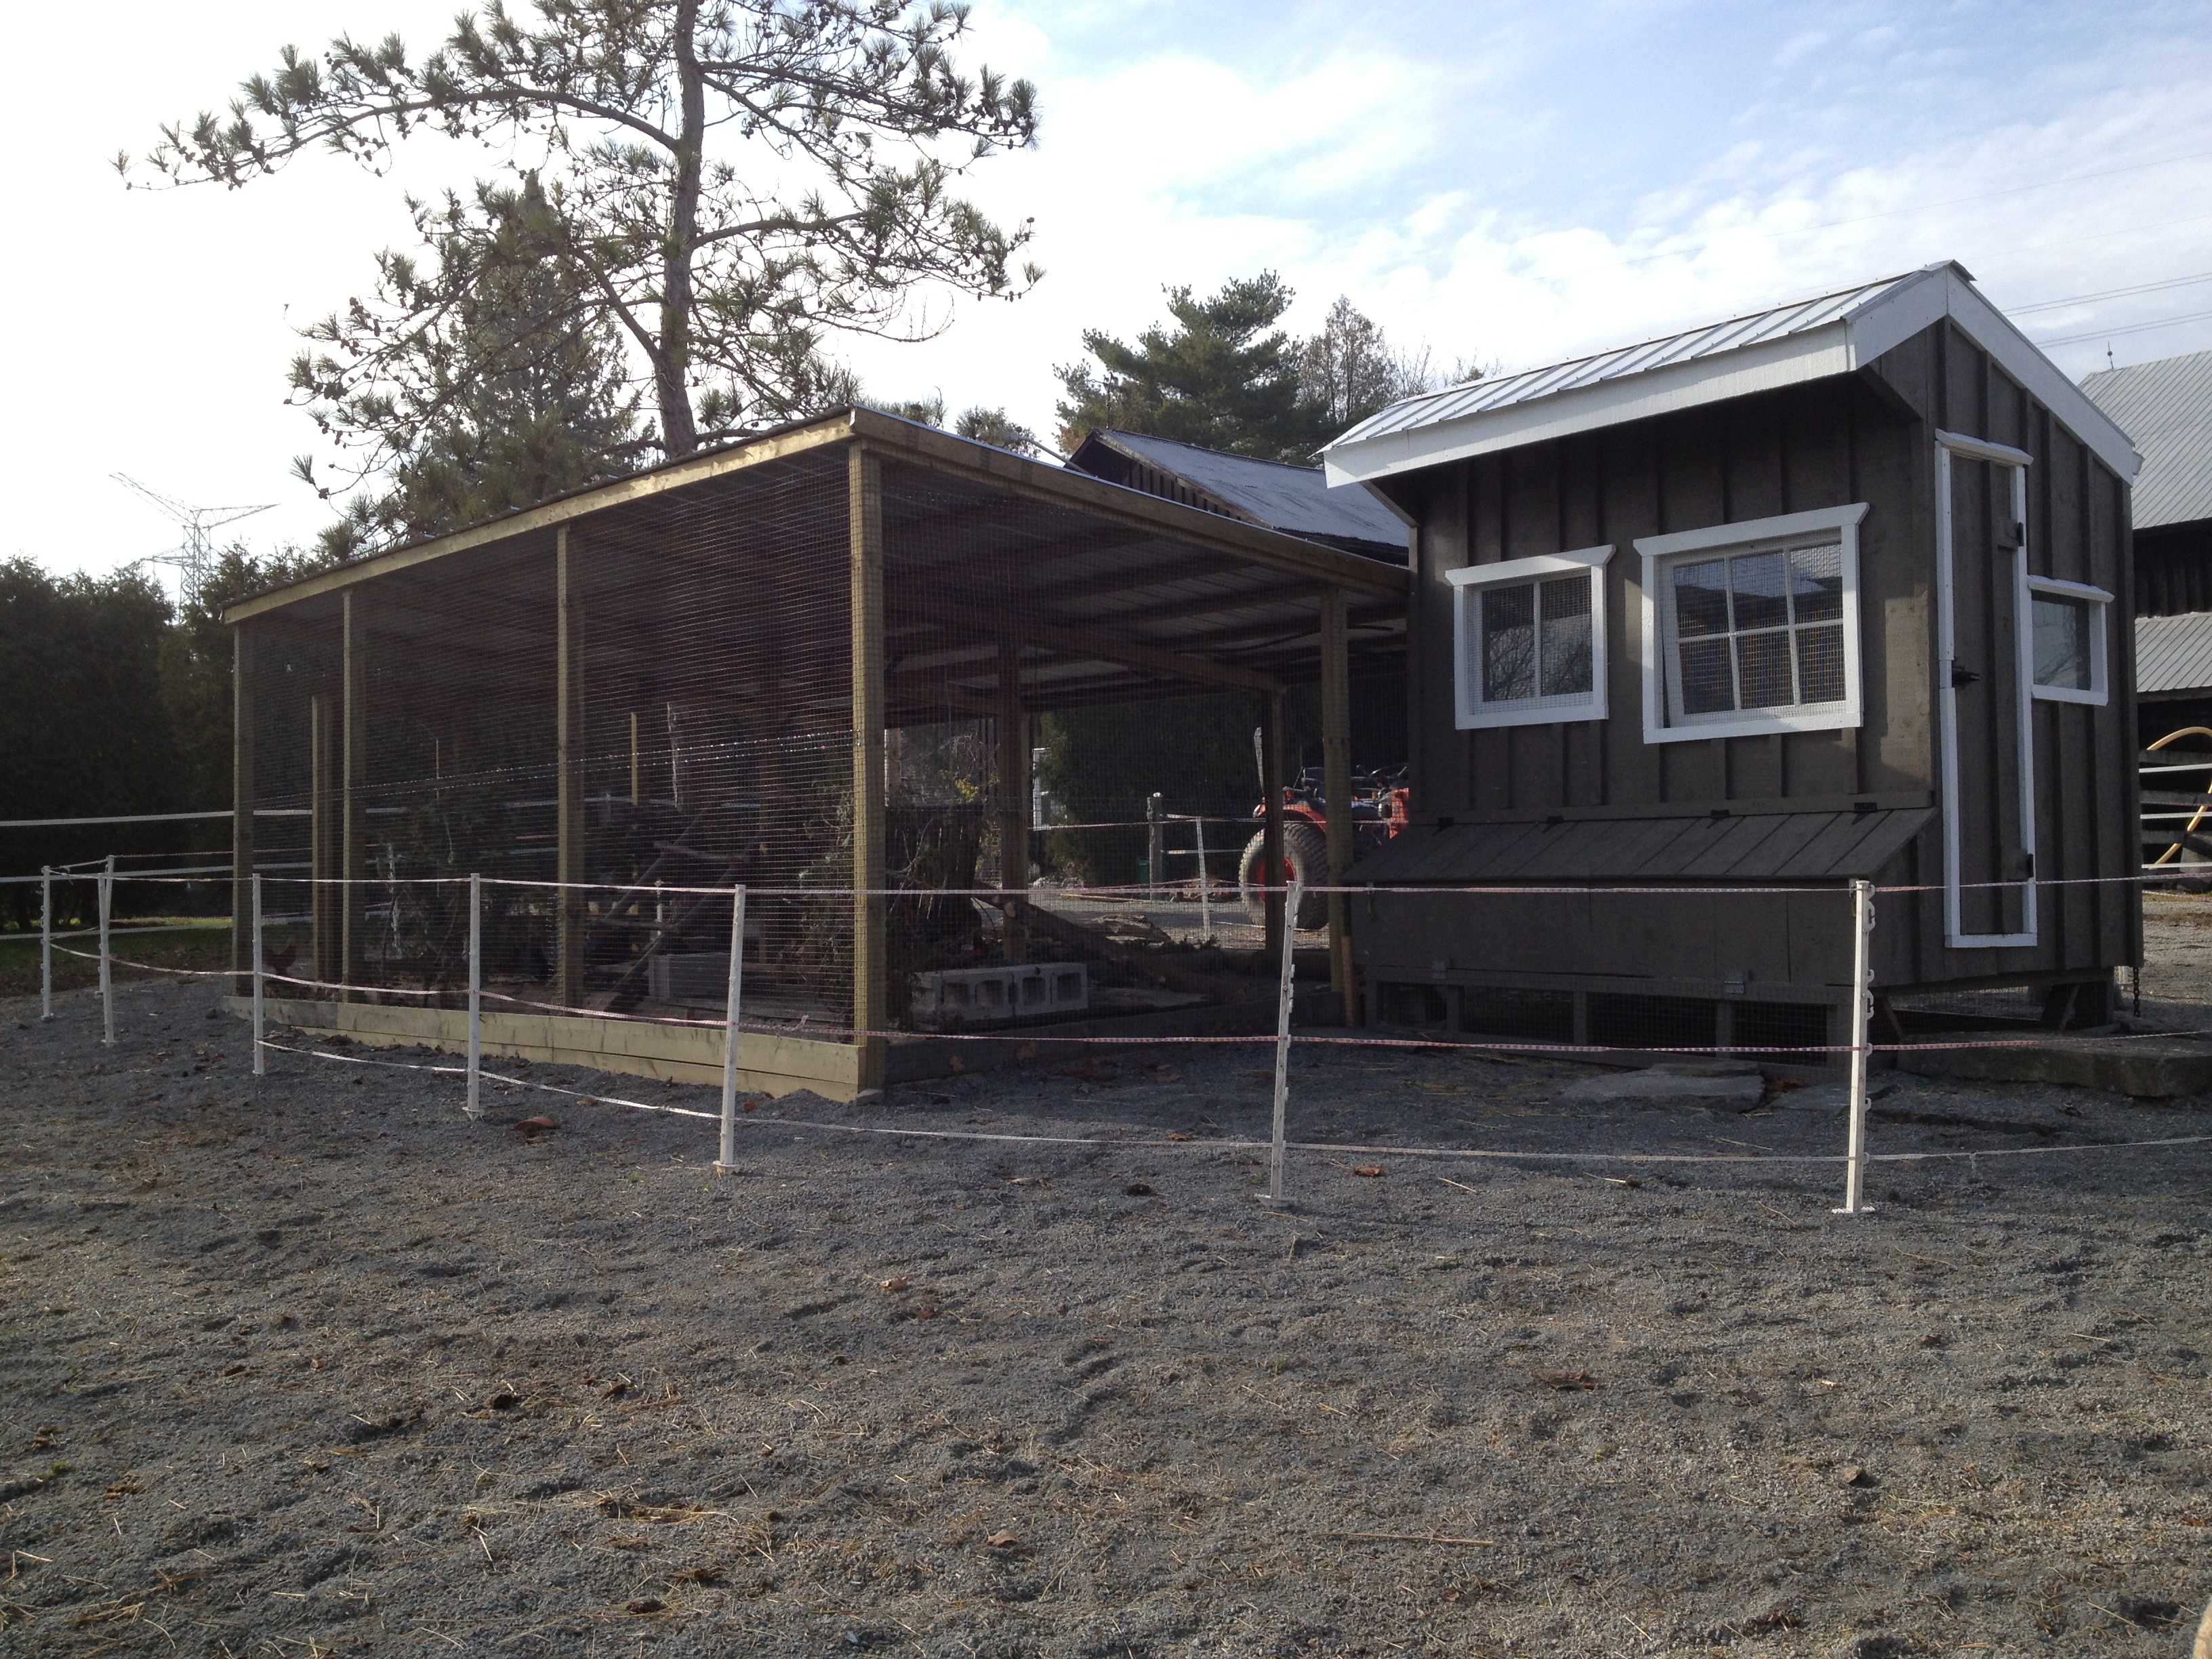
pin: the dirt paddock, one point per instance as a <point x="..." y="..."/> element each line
<point x="314" y="1365"/>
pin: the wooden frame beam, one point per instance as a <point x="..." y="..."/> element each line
<point x="1089" y="646"/>
<point x="242" y="700"/>
<point x="871" y="956"/>
<point x="1336" y="786"/>
<point x="568" y="765"/>
<point x="353" y="782"/>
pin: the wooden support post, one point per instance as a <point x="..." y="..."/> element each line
<point x="636" y="764"/>
<point x="1013" y="799"/>
<point x="1270" y="785"/>
<point x="323" y="908"/>
<point x="352" y="896"/>
<point x="241" y="803"/>
<point x="871" y="964"/>
<point x="568" y="768"/>
<point x="1336" y="784"/>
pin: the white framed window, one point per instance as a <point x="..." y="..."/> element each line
<point x="2067" y="624"/>
<point x="1529" y="638"/>
<point x="1753" y="627"/>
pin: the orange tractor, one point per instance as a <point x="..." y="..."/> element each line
<point x="1380" y="801"/>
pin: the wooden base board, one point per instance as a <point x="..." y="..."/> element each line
<point x="766" y="1064"/>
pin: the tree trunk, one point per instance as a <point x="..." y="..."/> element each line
<point x="671" y="363"/>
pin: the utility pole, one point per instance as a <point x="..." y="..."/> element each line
<point x="194" y="557"/>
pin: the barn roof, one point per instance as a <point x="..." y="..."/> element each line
<point x="2167" y="408"/>
<point x="2174" y="654"/>
<point x="1811" y="339"/>
<point x="1293" y="498"/>
<point x="1744" y="847"/>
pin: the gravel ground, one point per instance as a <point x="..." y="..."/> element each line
<point x="314" y="1365"/>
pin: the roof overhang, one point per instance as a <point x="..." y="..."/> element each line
<point x="1840" y="347"/>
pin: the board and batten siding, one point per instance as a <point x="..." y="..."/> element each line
<point x="1866" y="437"/>
<point x="2078" y="530"/>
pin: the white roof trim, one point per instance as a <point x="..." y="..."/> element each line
<point x="1892" y="316"/>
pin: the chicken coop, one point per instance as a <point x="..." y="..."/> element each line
<point x="809" y="663"/>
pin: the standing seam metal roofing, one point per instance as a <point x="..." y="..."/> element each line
<point x="2166" y="407"/>
<point x="1476" y="397"/>
<point x="1756" y="847"/>
<point x="1277" y="493"/>
<point x="2174" y="654"/>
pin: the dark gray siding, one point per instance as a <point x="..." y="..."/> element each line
<point x="1867" y="437"/>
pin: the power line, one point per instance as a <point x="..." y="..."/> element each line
<point x="2130" y="328"/>
<point x="2109" y="293"/>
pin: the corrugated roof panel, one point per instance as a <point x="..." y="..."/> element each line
<point x="2174" y="653"/>
<point x="1744" y="848"/>
<point x="1295" y="499"/>
<point x="1504" y="391"/>
<point x="2166" y="409"/>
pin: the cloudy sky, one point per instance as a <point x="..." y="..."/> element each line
<point x="1507" y="183"/>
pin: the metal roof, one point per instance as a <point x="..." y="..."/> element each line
<point x="1749" y="846"/>
<point x="1283" y="496"/>
<point x="1835" y="333"/>
<point x="2166" y="407"/>
<point x="2174" y="654"/>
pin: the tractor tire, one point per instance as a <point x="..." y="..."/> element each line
<point x="1307" y="853"/>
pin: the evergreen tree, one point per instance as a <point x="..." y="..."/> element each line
<point x="728" y="183"/>
<point x="1223" y="376"/>
<point x="511" y="387"/>
<point x="1350" y="371"/>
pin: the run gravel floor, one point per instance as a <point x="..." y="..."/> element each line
<point x="312" y="1365"/>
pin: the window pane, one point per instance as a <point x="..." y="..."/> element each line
<point x="1816" y="583"/>
<point x="1701" y="597"/>
<point x="1758" y="580"/>
<point x="1763" y="665"/>
<point x="1708" y="686"/>
<point x="1509" y="643"/>
<point x="1821" y="664"/>
<point x="1564" y="660"/>
<point x="2062" y="642"/>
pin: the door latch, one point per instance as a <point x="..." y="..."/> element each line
<point x="1963" y="676"/>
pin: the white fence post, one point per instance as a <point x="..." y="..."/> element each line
<point x="1205" y="890"/>
<point x="46" y="942"/>
<point x="728" y="1160"/>
<point x="1275" y="1194"/>
<point x="260" y="1052"/>
<point x="107" y="978"/>
<point x="1862" y="1027"/>
<point x="475" y="994"/>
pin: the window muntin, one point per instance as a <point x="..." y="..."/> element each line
<point x="1753" y="627"/>
<point x="1529" y="639"/>
<point x="1758" y="630"/>
<point x="1535" y="639"/>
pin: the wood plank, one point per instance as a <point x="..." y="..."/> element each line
<point x="245" y="716"/>
<point x="870" y="953"/>
<point x="568" y="828"/>
<point x="1336" y="784"/>
<point x="353" y="806"/>
<point x="1089" y="645"/>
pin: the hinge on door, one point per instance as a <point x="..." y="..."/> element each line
<point x="1963" y="676"/>
<point x="2012" y="535"/>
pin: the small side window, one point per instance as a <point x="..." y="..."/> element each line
<point x="1529" y="637"/>
<point x="2067" y="623"/>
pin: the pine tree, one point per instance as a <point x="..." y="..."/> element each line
<point x="729" y="183"/>
<point x="1225" y="377"/>
<point x="511" y="391"/>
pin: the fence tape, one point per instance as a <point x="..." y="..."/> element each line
<point x="1365" y="1149"/>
